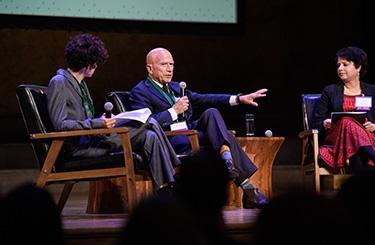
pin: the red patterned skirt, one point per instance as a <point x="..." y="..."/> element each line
<point x="343" y="141"/>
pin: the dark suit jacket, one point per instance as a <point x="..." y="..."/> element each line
<point x="144" y="94"/>
<point x="332" y="101"/>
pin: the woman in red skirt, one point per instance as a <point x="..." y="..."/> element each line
<point x="347" y="142"/>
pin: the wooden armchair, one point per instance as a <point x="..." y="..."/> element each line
<point x="311" y="164"/>
<point x="54" y="168"/>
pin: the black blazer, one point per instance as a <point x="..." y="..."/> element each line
<point x="332" y="101"/>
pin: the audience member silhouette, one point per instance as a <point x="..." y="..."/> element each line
<point x="193" y="215"/>
<point x="29" y="213"/>
<point x="161" y="220"/>
<point x="203" y="190"/>
<point x="298" y="217"/>
<point x="358" y="199"/>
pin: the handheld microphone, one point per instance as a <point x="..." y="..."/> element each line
<point x="182" y="88"/>
<point x="108" y="106"/>
<point x="182" y="93"/>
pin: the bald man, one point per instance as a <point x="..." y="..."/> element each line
<point x="172" y="110"/>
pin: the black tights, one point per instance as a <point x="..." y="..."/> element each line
<point x="359" y="161"/>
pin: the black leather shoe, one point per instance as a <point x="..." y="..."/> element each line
<point x="252" y="198"/>
<point x="232" y="171"/>
<point x="166" y="192"/>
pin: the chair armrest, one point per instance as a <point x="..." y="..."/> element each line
<point x="190" y="133"/>
<point x="74" y="133"/>
<point x="181" y="132"/>
<point x="307" y="133"/>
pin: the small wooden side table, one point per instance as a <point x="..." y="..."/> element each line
<point x="262" y="151"/>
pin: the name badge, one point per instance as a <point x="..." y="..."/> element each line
<point x="363" y="102"/>
<point x="179" y="126"/>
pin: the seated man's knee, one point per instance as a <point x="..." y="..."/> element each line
<point x="152" y="138"/>
<point x="151" y="135"/>
<point x="152" y="120"/>
<point x="212" y="112"/>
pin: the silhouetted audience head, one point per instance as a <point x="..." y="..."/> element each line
<point x="299" y="217"/>
<point x="193" y="215"/>
<point x="161" y="220"/>
<point x="203" y="182"/>
<point x="203" y="190"/>
<point x="358" y="198"/>
<point x="29" y="213"/>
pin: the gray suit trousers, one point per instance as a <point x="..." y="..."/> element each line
<point x="148" y="140"/>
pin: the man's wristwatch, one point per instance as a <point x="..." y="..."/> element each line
<point x="238" y="98"/>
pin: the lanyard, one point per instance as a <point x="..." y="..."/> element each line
<point x="89" y="107"/>
<point x="169" y="96"/>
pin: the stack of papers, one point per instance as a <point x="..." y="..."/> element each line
<point x="139" y="115"/>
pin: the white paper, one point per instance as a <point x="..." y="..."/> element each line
<point x="179" y="126"/>
<point x="139" y="115"/>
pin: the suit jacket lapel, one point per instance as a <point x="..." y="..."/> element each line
<point x="155" y="92"/>
<point x="74" y="83"/>
<point x="175" y="88"/>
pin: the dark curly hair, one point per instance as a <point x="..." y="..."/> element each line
<point x="85" y="50"/>
<point x="356" y="55"/>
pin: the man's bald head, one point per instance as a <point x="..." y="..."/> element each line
<point x="160" y="64"/>
<point x="154" y="53"/>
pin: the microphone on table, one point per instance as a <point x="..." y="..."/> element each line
<point x="182" y="93"/>
<point x="108" y="106"/>
<point x="268" y="133"/>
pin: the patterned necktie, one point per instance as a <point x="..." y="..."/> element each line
<point x="165" y="88"/>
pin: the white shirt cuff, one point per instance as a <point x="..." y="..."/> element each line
<point x="173" y="114"/>
<point x="233" y="100"/>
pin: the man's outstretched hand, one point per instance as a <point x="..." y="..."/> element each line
<point x="249" y="98"/>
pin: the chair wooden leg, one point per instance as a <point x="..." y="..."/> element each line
<point x="305" y="172"/>
<point x="234" y="195"/>
<point x="107" y="196"/>
<point x="129" y="171"/>
<point x="237" y="195"/>
<point x="316" y="165"/>
<point x="317" y="182"/>
<point x="64" y="196"/>
<point x="50" y="160"/>
<point x="144" y="189"/>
